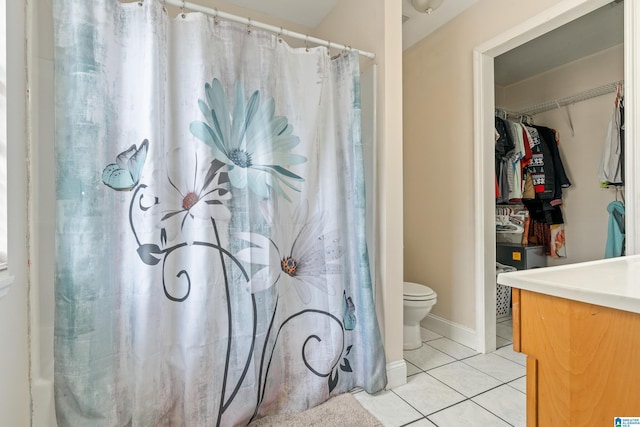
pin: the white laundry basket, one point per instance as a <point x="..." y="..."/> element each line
<point x="503" y="293"/>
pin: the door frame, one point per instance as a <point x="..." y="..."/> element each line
<point x="484" y="106"/>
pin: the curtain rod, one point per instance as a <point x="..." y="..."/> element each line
<point x="557" y="103"/>
<point x="271" y="28"/>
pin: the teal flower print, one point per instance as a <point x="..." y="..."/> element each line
<point x="254" y="142"/>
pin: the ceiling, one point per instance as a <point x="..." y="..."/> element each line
<point x="311" y="12"/>
<point x="587" y="35"/>
<point x="596" y="31"/>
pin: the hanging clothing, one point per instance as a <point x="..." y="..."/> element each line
<point x="560" y="180"/>
<point x="528" y="192"/>
<point x="503" y="149"/>
<point x="540" y="170"/>
<point x="539" y="234"/>
<point x="547" y="226"/>
<point x="616" y="230"/>
<point x="621" y="108"/>
<point x="515" y="159"/>
<point x="557" y="245"/>
<point x="610" y="170"/>
<point x="549" y="178"/>
<point x="211" y="262"/>
<point x="538" y="176"/>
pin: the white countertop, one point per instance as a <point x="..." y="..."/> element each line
<point x="611" y="283"/>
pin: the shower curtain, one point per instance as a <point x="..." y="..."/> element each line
<point x="211" y="264"/>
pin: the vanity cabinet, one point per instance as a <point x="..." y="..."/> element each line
<point x="583" y="359"/>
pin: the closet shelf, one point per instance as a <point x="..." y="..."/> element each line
<point x="561" y="102"/>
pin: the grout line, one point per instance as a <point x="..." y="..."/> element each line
<point x="413" y="407"/>
<point x="415" y="421"/>
<point x="515" y="388"/>
<point x="471" y="397"/>
<point x="457" y="391"/>
<point x="505" y="357"/>
<point x="450" y="355"/>
<point x="475" y="395"/>
<point x="450" y="406"/>
<point x="475" y="403"/>
<point x="469" y="357"/>
<point x="503" y="346"/>
<point x="440" y="366"/>
<point x="489" y="375"/>
<point x="495" y="415"/>
<point x="519" y="378"/>
<point x="447" y="385"/>
<point x="486" y="391"/>
<point x="432" y="339"/>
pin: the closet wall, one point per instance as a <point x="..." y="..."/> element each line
<point x="585" y="203"/>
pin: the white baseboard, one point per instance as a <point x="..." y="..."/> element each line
<point x="451" y="330"/>
<point x="396" y="374"/>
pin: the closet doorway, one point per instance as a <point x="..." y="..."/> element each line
<point x="485" y="72"/>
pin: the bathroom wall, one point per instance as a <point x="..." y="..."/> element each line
<point x="438" y="155"/>
<point x="585" y="203"/>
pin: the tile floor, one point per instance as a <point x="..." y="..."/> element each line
<point x="449" y="384"/>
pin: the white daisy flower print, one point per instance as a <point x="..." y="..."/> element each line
<point x="297" y="255"/>
<point x="195" y="191"/>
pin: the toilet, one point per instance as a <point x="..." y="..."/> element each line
<point x="417" y="302"/>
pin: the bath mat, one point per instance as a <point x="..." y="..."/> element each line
<point x="339" y="411"/>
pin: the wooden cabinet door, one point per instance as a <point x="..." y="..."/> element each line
<point x="585" y="360"/>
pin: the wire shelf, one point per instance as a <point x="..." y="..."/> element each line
<point x="561" y="102"/>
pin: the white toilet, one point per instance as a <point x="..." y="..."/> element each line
<point x="417" y="301"/>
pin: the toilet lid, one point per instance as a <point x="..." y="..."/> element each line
<point x="414" y="291"/>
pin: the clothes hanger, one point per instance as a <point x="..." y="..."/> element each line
<point x="620" y="190"/>
<point x="622" y="194"/>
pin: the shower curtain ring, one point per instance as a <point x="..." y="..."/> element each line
<point x="249" y="26"/>
<point x="306" y="43"/>
<point x="182" y="9"/>
<point x="329" y="48"/>
<point x="216" y="17"/>
<point x="280" y="35"/>
<point x="140" y="2"/>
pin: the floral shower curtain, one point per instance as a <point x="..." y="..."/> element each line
<point x="211" y="264"/>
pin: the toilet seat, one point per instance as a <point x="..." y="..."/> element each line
<point x="415" y="292"/>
